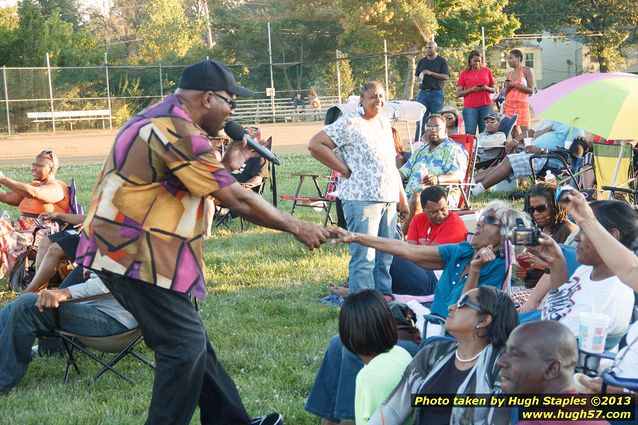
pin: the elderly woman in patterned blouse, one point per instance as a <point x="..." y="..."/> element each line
<point x="360" y="147"/>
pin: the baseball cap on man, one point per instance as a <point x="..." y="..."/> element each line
<point x="211" y="76"/>
<point x="494" y="116"/>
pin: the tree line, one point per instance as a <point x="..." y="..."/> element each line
<point x="305" y="34"/>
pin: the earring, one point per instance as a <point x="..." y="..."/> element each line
<point x="478" y="327"/>
<point x="360" y="109"/>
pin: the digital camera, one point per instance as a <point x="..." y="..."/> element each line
<point x="527" y="236"/>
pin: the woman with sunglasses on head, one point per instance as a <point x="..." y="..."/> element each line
<point x="551" y="218"/>
<point x="480" y="323"/>
<point x="492" y="230"/>
<point x="44" y="194"/>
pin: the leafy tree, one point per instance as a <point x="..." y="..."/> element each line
<point x="303" y="39"/>
<point x="166" y="33"/>
<point x="409" y="24"/>
<point x="8" y="24"/>
<point x="67" y="10"/>
<point x="612" y="24"/>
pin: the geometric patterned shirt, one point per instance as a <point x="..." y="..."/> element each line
<point x="147" y="208"/>
<point x="448" y="157"/>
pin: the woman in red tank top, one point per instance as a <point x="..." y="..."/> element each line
<point x="44" y="194"/>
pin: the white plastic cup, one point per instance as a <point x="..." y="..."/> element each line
<point x="592" y="331"/>
<point x="528" y="141"/>
<point x="568" y="144"/>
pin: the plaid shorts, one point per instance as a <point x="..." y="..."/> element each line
<point x="520" y="165"/>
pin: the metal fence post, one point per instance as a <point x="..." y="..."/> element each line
<point x="385" y="55"/>
<point x="338" y="78"/>
<point x="108" y="90"/>
<point x="272" y="84"/>
<point x="50" y="92"/>
<point x="6" y="98"/>
<point x="161" y="82"/>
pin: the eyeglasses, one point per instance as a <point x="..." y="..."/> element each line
<point x="539" y="209"/>
<point x="490" y="219"/>
<point x="48" y="153"/>
<point x="232" y="103"/>
<point x="433" y="128"/>
<point x="448" y="117"/>
<point x="464" y="301"/>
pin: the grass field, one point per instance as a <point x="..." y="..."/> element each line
<point x="262" y="315"/>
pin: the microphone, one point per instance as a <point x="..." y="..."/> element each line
<point x="237" y="132"/>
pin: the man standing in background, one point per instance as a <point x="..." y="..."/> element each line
<point x="433" y="72"/>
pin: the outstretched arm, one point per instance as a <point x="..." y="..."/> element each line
<point x="255" y="209"/>
<point x="618" y="258"/>
<point x="49" y="192"/>
<point x="425" y="256"/>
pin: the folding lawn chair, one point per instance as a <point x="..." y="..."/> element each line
<point x="566" y="168"/>
<point x="614" y="171"/>
<point x="506" y="126"/>
<point x="223" y="216"/>
<point x="121" y="345"/>
<point x="324" y="199"/>
<point x="471" y="147"/>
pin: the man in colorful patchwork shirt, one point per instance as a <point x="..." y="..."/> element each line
<point x="143" y="236"/>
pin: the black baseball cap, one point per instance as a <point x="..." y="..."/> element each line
<point x="211" y="75"/>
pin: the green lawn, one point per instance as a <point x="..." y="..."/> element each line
<point x="261" y="313"/>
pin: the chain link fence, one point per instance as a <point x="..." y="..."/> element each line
<point x="43" y="99"/>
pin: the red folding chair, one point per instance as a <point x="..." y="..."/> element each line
<point x="468" y="142"/>
<point x="324" y="198"/>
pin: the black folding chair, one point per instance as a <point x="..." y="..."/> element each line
<point x="121" y="345"/>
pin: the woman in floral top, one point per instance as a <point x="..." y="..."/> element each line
<point x="360" y="147"/>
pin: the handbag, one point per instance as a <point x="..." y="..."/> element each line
<point x="404" y="319"/>
<point x="23" y="270"/>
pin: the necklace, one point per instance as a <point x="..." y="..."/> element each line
<point x="471" y="359"/>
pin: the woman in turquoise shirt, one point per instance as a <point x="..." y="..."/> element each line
<point x="492" y="230"/>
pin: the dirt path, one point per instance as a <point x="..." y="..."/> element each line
<point x="89" y="146"/>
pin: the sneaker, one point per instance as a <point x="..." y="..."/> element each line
<point x="272" y="419"/>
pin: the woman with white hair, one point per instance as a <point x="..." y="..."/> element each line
<point x="492" y="230"/>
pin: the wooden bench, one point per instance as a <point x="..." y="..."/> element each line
<point x="70" y="116"/>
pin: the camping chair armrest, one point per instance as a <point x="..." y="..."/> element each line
<point x="609" y="378"/>
<point x="307" y="175"/>
<point x="96" y="297"/>
<point x="457" y="184"/>
<point x="620" y="189"/>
